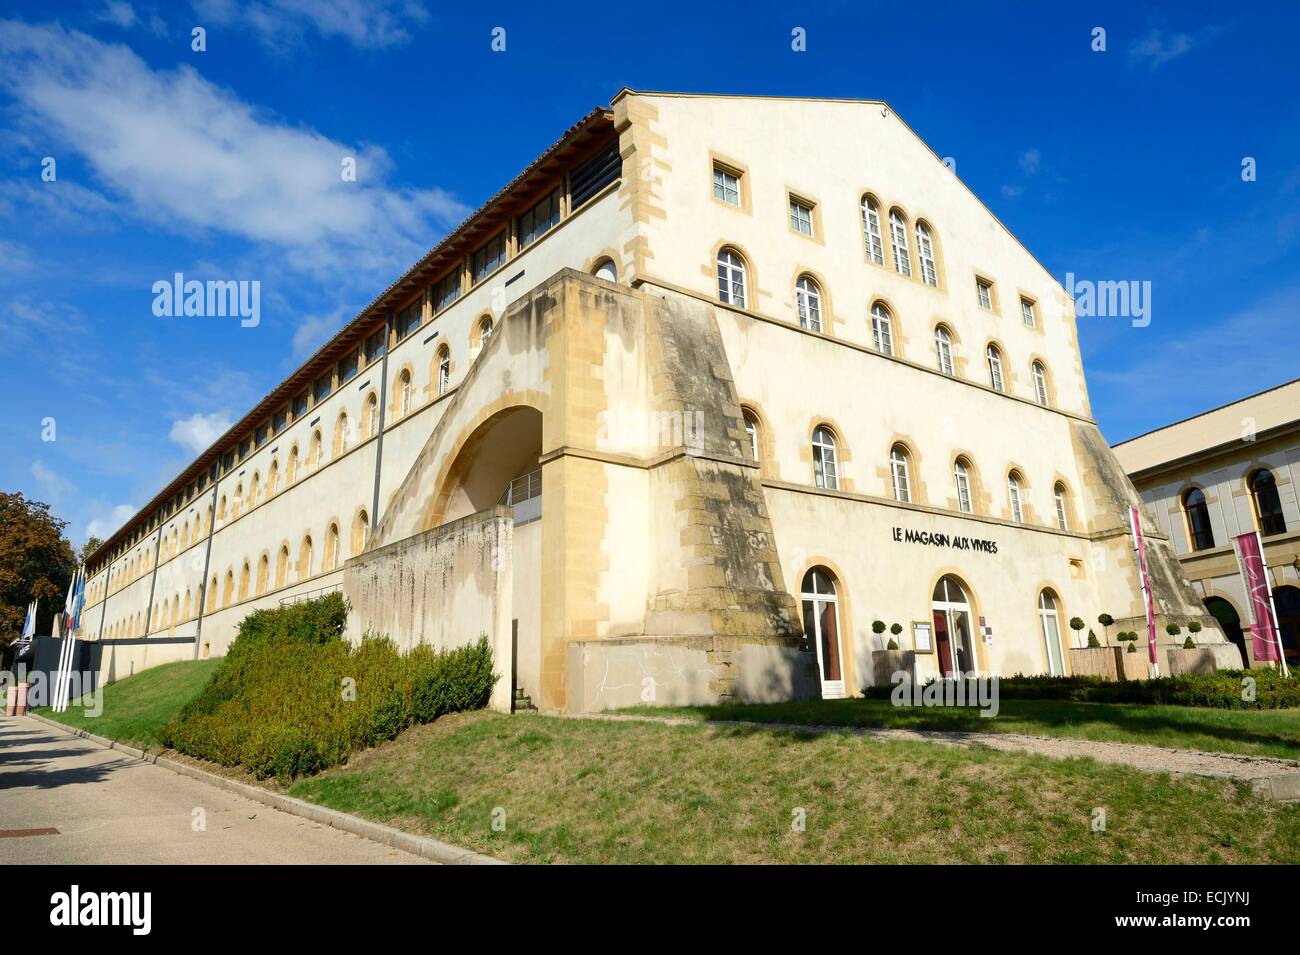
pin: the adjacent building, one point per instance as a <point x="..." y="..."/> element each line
<point x="710" y="397"/>
<point x="1226" y="472"/>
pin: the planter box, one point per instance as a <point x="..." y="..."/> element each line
<point x="1200" y="660"/>
<point x="1135" y="666"/>
<point x="1096" y="661"/>
<point x="885" y="663"/>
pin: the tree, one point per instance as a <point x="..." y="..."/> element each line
<point x="36" y="562"/>
<point x="92" y="544"/>
<point x="1105" y="620"/>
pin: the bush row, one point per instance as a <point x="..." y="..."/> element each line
<point x="292" y="697"/>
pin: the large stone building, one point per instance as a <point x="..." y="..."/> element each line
<point x="714" y="385"/>
<point x="1212" y="477"/>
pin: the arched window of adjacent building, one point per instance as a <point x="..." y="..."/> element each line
<point x="1198" y="519"/>
<point x="1062" y="508"/>
<point x="342" y="438"/>
<point x="808" y="300"/>
<point x="925" y="255"/>
<point x="360" y="532"/>
<point x="211" y="597"/>
<point x="825" y="467"/>
<point x="403" y="393"/>
<point x="185" y="536"/>
<point x="291" y="469"/>
<point x="304" y="558"/>
<point x="1013" y="497"/>
<point x="228" y="591"/>
<point x="1268" y="504"/>
<point x="273" y="479"/>
<point x="176" y="543"/>
<point x="237" y="504"/>
<point x="882" y="329"/>
<point x="731" y="278"/>
<point x="898" y="239"/>
<point x="995" y="368"/>
<point x="370" y="417"/>
<point x="186" y="612"/>
<point x="313" y="451"/>
<point x="254" y="490"/>
<point x="875" y="243"/>
<point x="1050" y="624"/>
<point x="331" y="548"/>
<point x="483" y="333"/>
<point x="263" y="574"/>
<point x="752" y="433"/>
<point x="282" y="566"/>
<point x="961" y="481"/>
<point x="1040" y="383"/>
<point x="607" y="270"/>
<point x="244" y="575"/>
<point x="444" y="369"/>
<point x="900" y="473"/>
<point x="943" y="349"/>
<point x="820" y="600"/>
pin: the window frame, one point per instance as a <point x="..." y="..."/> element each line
<point x="825" y="457"/>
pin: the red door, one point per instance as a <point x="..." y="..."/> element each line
<point x="942" y="643"/>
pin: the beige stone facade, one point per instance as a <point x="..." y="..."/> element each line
<point x="771" y="374"/>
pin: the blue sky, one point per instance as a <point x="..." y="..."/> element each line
<point x="1116" y="165"/>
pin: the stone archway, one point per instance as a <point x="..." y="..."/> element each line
<point x="504" y="447"/>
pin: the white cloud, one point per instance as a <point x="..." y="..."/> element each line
<point x="368" y="24"/>
<point x="192" y="157"/>
<point x="197" y="432"/>
<point x="1030" y="160"/>
<point x="54" y="486"/>
<point x="1012" y="192"/>
<point x="119" y="13"/>
<point x="314" y="330"/>
<point x="104" y="526"/>
<point x="1156" y="48"/>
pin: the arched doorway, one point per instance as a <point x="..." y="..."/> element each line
<point x="503" y="448"/>
<point x="1229" y="622"/>
<point x="1050" y="624"/>
<point x="821" y="627"/>
<point x="1286" y="600"/>
<point x="953" y="641"/>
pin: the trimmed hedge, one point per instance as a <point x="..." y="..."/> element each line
<point x="292" y="698"/>
<point x="1220" y="690"/>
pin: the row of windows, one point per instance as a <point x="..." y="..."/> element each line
<point x="1266" y="505"/>
<point x="826" y="474"/>
<point x="732" y="290"/>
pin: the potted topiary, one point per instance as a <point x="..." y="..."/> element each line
<point x="1105" y="620"/>
<point x="895" y="629"/>
<point x="1076" y="624"/>
<point x="1194" y="627"/>
<point x="1130" y="637"/>
<point x="878" y="627"/>
<point x="1093" y="642"/>
<point x="1189" y="643"/>
<point x="1173" y="629"/>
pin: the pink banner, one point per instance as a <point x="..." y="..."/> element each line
<point x="1263" y="630"/>
<point x="1139" y="545"/>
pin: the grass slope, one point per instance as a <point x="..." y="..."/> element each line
<point x="1251" y="732"/>
<point x="591" y="791"/>
<point x="136" y="707"/>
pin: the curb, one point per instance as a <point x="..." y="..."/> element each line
<point x="422" y="846"/>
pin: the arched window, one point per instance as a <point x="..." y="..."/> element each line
<point x="950" y="613"/>
<point x="211" y="596"/>
<point x="731" y="278"/>
<point x="228" y="591"/>
<point x="995" y="368"/>
<point x="821" y="627"/>
<point x="751" y="433"/>
<point x="1013" y="497"/>
<point x="272" y="479"/>
<point x="403" y="393"/>
<point x="943" y="349"/>
<point x="313" y="451"/>
<point x="304" y="558"/>
<point x="825" y="470"/>
<point x="254" y="489"/>
<point x="900" y="474"/>
<point x="1198" y="519"/>
<point x="282" y="566"/>
<point x="898" y="239"/>
<point x="871" y="231"/>
<point x="1040" y="383"/>
<point x="1268" y="504"/>
<point x="244" y="575"/>
<point x="961" y="481"/>
<point x="1049" y="621"/>
<point x="341" y="434"/>
<point x="370" y="417"/>
<point x="1062" y="511"/>
<point x="360" y="532"/>
<point x="291" y="470"/>
<point x="925" y="254"/>
<point x="808" y="299"/>
<point x="607" y="270"/>
<point x="444" y="369"/>
<point x="882" y="329"/>
<point x="186" y="612"/>
<point x="485" y="331"/>
<point x="331" y="548"/>
<point x="263" y="573"/>
<point x="237" y="504"/>
<point x="185" y="536"/>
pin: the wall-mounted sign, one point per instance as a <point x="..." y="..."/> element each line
<point x="907" y="535"/>
<point x="986" y="632"/>
<point x="921" y="638"/>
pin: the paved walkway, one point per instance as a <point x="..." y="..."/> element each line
<point x="111" y="808"/>
<point x="1279" y="777"/>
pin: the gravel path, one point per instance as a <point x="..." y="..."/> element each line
<point x="1156" y="759"/>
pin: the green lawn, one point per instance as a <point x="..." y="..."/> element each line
<point x="592" y="791"/>
<point x="136" y="708"/>
<point x="1253" y="732"/>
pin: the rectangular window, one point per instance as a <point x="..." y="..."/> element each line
<point x="260" y="436"/>
<point x="324" y="385"/>
<point x="299" y="407"/>
<point x="244" y="447"/>
<point x="490" y="258"/>
<point x="1027" y="312"/>
<point x="539" y="220"/>
<point x="375" y="346"/>
<point x="726" y="185"/>
<point x="594" y="175"/>
<point x="408" y="319"/>
<point x="985" y="293"/>
<point x="227" y="461"/>
<point x="801" y="217"/>
<point x="349" y="366"/>
<point x="446" y="291"/>
<point x="280" y="421"/>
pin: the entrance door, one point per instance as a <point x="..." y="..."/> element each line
<point x="1049" y="620"/>
<point x="954" y="642"/>
<point x="821" y="628"/>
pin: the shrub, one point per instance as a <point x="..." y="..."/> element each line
<point x="1189" y="643"/>
<point x="878" y="626"/>
<point x="895" y="628"/>
<point x="892" y="644"/>
<point x="292" y="697"/>
<point x="1173" y="629"/>
<point x="1194" y="626"/>
<point x="1219" y="690"/>
<point x="1093" y="642"/>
